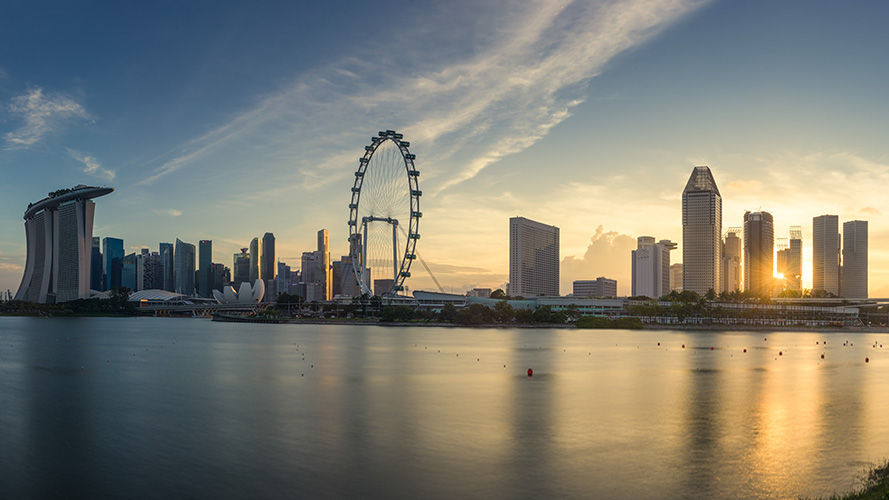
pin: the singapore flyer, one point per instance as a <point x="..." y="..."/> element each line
<point x="384" y="215"/>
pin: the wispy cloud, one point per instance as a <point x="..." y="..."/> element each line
<point x="463" y="115"/>
<point x="91" y="166"/>
<point x="170" y="212"/>
<point x="42" y="113"/>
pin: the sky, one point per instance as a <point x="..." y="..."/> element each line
<point x="223" y="121"/>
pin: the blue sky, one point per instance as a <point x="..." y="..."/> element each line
<point x="216" y="120"/>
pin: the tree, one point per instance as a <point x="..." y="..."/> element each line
<point x="503" y="312"/>
<point x="498" y="294"/>
<point x="448" y="312"/>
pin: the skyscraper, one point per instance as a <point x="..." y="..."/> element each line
<point x="59" y="236"/>
<point x="254" y="260"/>
<point x="267" y="259"/>
<point x="759" y="251"/>
<point x="731" y="260"/>
<point x="240" y="268"/>
<point x="184" y="266"/>
<point x="676" y="277"/>
<point x="701" y="233"/>
<point x="96" y="282"/>
<point x="533" y="258"/>
<point x="789" y="259"/>
<point x="826" y="254"/>
<point x="112" y="257"/>
<point x="168" y="274"/>
<point x="854" y="275"/>
<point x="324" y="249"/>
<point x="205" y="264"/>
<point x="651" y="267"/>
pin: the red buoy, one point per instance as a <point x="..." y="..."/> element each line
<point x="745" y="350"/>
<point x="765" y="339"/>
<point x="822" y="356"/>
<point x="683" y="346"/>
<point x="867" y="360"/>
<point x="530" y="372"/>
<point x="711" y="348"/>
<point x="658" y="343"/>
<point x="780" y="353"/>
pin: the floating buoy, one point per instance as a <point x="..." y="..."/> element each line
<point x="780" y="353"/>
<point x="658" y="343"/>
<point x="711" y="348"/>
<point x="867" y="360"/>
<point x="816" y="342"/>
<point x="530" y="372"/>
<point x="822" y="356"/>
<point x="765" y="339"/>
<point x="745" y="350"/>
<point x="683" y="346"/>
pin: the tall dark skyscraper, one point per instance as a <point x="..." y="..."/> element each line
<point x="701" y="233"/>
<point x="533" y="258"/>
<point x="240" y="268"/>
<point x="96" y="282"/>
<point x="267" y="260"/>
<point x="254" y="260"/>
<point x="759" y="250"/>
<point x="205" y="273"/>
<point x="112" y="261"/>
<point x="167" y="274"/>
<point x="185" y="267"/>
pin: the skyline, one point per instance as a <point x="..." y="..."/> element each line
<point x="223" y="125"/>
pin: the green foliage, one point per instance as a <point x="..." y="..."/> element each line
<point x="448" y="313"/>
<point x="628" y="323"/>
<point x="498" y="294"/>
<point x="593" y="322"/>
<point x="396" y="313"/>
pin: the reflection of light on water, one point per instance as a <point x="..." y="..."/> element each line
<point x="787" y="425"/>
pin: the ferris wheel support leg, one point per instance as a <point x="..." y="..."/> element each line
<point x="395" y="251"/>
<point x="364" y="270"/>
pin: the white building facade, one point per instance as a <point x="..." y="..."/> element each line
<point x="533" y="258"/>
<point x="651" y="267"/>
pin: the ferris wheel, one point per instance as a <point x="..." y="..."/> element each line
<point x="384" y="214"/>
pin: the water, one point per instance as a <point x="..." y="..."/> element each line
<point x="188" y="408"/>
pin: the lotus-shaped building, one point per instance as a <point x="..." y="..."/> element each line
<point x="246" y="294"/>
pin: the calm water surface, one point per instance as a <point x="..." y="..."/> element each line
<point x="187" y="408"/>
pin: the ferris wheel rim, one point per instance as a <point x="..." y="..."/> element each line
<point x="411" y="234"/>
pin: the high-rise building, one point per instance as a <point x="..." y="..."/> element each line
<point x="254" y="260"/>
<point x="221" y="276"/>
<point x="731" y="260"/>
<point x="533" y="258"/>
<point x="112" y="261"/>
<point x="152" y="271"/>
<point x="324" y="249"/>
<point x="185" y="267"/>
<point x="309" y="276"/>
<point x="676" y="277"/>
<point x="794" y="273"/>
<point x="267" y="259"/>
<point x="128" y="273"/>
<point x="854" y="275"/>
<point x="168" y="274"/>
<point x="651" y="267"/>
<point x="96" y="282"/>
<point x="701" y="233"/>
<point x="59" y="237"/>
<point x="599" y="287"/>
<point x="240" y="268"/>
<point x="826" y="254"/>
<point x="759" y="252"/>
<point x="205" y="264"/>
<point x="283" y="278"/>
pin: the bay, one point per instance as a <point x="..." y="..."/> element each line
<point x="188" y="408"/>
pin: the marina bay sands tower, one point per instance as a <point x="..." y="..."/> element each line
<point x="59" y="232"/>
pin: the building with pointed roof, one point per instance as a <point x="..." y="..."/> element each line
<point x="701" y="233"/>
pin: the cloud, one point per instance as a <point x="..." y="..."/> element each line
<point x="170" y="211"/>
<point x="870" y="211"/>
<point x="91" y="166"/>
<point x="523" y="76"/>
<point x="608" y="255"/>
<point x="42" y="115"/>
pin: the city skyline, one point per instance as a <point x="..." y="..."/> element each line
<point x="204" y="140"/>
